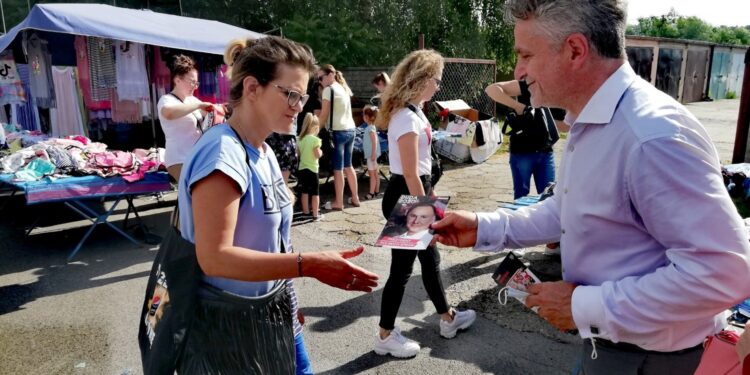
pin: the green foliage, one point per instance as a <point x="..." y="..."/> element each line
<point x="339" y="40"/>
<point x="350" y="33"/>
<point x="731" y="35"/>
<point x="672" y="25"/>
<point x="731" y="95"/>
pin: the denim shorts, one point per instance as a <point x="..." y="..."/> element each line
<point x="343" y="144"/>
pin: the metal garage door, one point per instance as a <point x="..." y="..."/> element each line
<point x="695" y="75"/>
<point x="668" y="71"/>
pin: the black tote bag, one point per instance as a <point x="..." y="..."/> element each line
<point x="169" y="304"/>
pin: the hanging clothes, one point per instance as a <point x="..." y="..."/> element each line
<point x="25" y="114"/>
<point x="126" y="111"/>
<point x="65" y="119"/>
<point x="101" y="67"/>
<point x="11" y="87"/>
<point x="84" y="78"/>
<point x="81" y="106"/>
<point x="206" y="66"/>
<point x="207" y="87"/>
<point x="130" y="66"/>
<point x="40" y="65"/>
<point x="222" y="84"/>
<point x="161" y="75"/>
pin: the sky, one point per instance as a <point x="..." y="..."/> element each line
<point x="715" y="12"/>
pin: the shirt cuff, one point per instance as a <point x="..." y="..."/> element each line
<point x="490" y="231"/>
<point x="588" y="311"/>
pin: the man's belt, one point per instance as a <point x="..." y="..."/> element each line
<point x="632" y="348"/>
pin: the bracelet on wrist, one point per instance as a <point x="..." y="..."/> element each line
<point x="299" y="264"/>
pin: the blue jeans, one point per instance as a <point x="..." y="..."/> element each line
<point x="523" y="165"/>
<point x="303" y="361"/>
<point x="343" y="144"/>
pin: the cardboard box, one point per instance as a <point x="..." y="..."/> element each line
<point x="480" y="138"/>
<point x="459" y="107"/>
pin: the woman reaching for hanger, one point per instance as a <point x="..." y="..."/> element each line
<point x="180" y="114"/>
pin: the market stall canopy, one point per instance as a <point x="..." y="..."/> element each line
<point x="142" y="26"/>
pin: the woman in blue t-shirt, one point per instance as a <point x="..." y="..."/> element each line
<point x="237" y="211"/>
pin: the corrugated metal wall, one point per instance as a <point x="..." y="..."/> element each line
<point x="681" y="67"/>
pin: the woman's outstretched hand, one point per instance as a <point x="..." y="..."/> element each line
<point x="333" y="268"/>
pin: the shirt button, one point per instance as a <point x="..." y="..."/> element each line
<point x="565" y="191"/>
<point x="563" y="231"/>
<point x="571" y="148"/>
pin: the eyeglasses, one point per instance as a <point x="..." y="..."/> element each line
<point x="438" y="81"/>
<point x="193" y="83"/>
<point x="293" y="97"/>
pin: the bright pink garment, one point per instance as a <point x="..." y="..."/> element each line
<point x="119" y="159"/>
<point x="81" y="139"/>
<point x="111" y="163"/>
<point x="147" y="166"/>
<point x="82" y="62"/>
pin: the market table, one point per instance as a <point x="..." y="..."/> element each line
<point x="75" y="191"/>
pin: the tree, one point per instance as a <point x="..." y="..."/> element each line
<point x="672" y="25"/>
<point x="351" y="33"/>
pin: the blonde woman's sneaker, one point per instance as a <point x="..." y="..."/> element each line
<point x="396" y="345"/>
<point x="462" y="320"/>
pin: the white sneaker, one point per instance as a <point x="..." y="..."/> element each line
<point x="396" y="345"/>
<point x="462" y="320"/>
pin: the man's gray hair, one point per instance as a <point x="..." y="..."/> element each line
<point x="603" y="22"/>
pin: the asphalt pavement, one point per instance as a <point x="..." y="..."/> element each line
<point x="82" y="317"/>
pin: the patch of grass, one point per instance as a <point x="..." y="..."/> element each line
<point x="731" y="95"/>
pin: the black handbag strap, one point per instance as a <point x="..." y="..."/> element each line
<point x="433" y="154"/>
<point x="197" y="120"/>
<point x="422" y="117"/>
<point x="247" y="161"/>
<point x="416" y="111"/>
<point x="175" y="220"/>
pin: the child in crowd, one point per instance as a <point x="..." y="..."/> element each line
<point x="371" y="147"/>
<point x="309" y="153"/>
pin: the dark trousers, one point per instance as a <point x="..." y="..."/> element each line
<point x="614" y="360"/>
<point x="402" y="263"/>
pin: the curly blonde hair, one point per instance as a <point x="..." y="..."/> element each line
<point x="407" y="83"/>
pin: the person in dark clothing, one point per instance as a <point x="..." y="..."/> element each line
<point x="531" y="139"/>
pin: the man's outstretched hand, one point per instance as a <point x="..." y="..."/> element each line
<point x="457" y="228"/>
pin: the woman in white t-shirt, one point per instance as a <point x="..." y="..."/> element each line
<point x="415" y="80"/>
<point x="180" y="114"/>
<point x="342" y="123"/>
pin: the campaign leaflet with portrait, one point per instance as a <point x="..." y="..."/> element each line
<point x="408" y="226"/>
<point x="515" y="277"/>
